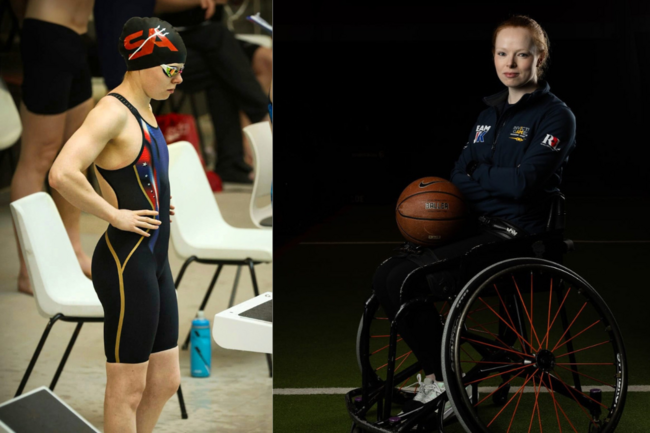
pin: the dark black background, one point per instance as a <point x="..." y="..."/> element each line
<point x="369" y="96"/>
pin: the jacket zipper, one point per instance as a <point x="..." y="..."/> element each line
<point x="496" y="135"/>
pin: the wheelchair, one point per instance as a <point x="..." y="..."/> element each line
<point x="523" y="337"/>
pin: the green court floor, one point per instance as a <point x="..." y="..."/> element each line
<point x="323" y="283"/>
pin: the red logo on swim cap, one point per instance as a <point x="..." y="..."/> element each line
<point x="158" y="39"/>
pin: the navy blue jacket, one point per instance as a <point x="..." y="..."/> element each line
<point x="521" y="153"/>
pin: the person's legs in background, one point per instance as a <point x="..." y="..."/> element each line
<point x="231" y="87"/>
<point x="263" y="67"/>
<point x="55" y="103"/>
<point x="261" y="59"/>
<point x="70" y="214"/>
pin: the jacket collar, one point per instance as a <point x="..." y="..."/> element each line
<point x="498" y="98"/>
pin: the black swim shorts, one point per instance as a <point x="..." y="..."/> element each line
<point x="56" y="74"/>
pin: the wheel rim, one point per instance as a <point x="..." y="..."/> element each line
<point x="495" y="351"/>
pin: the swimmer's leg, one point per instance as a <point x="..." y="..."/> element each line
<point x="164" y="374"/>
<point x="125" y="385"/>
<point x="163" y="380"/>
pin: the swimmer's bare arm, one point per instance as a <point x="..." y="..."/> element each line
<point x="103" y="123"/>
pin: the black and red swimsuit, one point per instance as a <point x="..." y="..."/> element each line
<point x="131" y="273"/>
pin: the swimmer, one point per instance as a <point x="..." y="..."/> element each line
<point x="130" y="268"/>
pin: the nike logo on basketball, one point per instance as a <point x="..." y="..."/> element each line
<point x="422" y="185"/>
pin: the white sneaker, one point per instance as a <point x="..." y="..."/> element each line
<point x="430" y="389"/>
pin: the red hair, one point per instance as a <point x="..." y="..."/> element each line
<point x="540" y="38"/>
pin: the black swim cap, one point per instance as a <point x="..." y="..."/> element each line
<point x="148" y="42"/>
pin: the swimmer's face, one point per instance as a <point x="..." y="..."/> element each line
<point x="157" y="85"/>
<point x="516" y="57"/>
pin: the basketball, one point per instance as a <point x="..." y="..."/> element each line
<point x="431" y="212"/>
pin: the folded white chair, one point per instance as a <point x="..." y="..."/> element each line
<point x="261" y="139"/>
<point x="199" y="232"/>
<point x="61" y="290"/>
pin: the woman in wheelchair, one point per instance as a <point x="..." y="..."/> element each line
<point x="508" y="171"/>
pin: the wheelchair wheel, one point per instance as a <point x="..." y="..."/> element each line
<point x="542" y="346"/>
<point x="372" y="349"/>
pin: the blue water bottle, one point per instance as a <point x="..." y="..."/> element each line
<point x="201" y="346"/>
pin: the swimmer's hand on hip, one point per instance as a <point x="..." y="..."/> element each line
<point x="132" y="221"/>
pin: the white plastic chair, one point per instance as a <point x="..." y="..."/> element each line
<point x="261" y="40"/>
<point x="261" y="139"/>
<point x="199" y="232"/>
<point x="61" y="290"/>
<point x="10" y="126"/>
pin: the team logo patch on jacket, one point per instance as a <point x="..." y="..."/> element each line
<point x="481" y="130"/>
<point x="519" y="133"/>
<point x="551" y="142"/>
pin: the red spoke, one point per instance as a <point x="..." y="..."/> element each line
<point x="379" y="336"/>
<point x="477" y="310"/>
<point x="485" y="329"/>
<point x="580" y="392"/>
<point x="494" y="362"/>
<point x="521" y="339"/>
<point x="531" y="306"/>
<point x="403" y="360"/>
<point x="584" y="363"/>
<point x="548" y="321"/>
<point x="580" y="350"/>
<point x="402" y="385"/>
<point x="467" y="353"/>
<point x="399" y="357"/>
<point x="502" y="385"/>
<point x="512" y="418"/>
<point x="498" y="374"/>
<point x="407" y="379"/>
<point x="555" y="317"/>
<point x="381" y="318"/>
<point x="443" y="307"/>
<point x="576" y="400"/>
<point x="530" y="319"/>
<point x="511" y="398"/>
<point x="539" y="416"/>
<point x="578" y="333"/>
<point x="532" y="416"/>
<point x="582" y="374"/>
<point x="379" y="350"/>
<point x="559" y="424"/>
<point x="498" y="347"/>
<point x="565" y="415"/>
<point x="479" y="331"/>
<point x="567" y="329"/>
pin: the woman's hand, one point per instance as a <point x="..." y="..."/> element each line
<point x="132" y="220"/>
<point x="171" y="209"/>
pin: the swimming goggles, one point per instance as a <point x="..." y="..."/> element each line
<point x="172" y="71"/>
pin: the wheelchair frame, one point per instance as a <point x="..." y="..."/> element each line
<point x="381" y="394"/>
